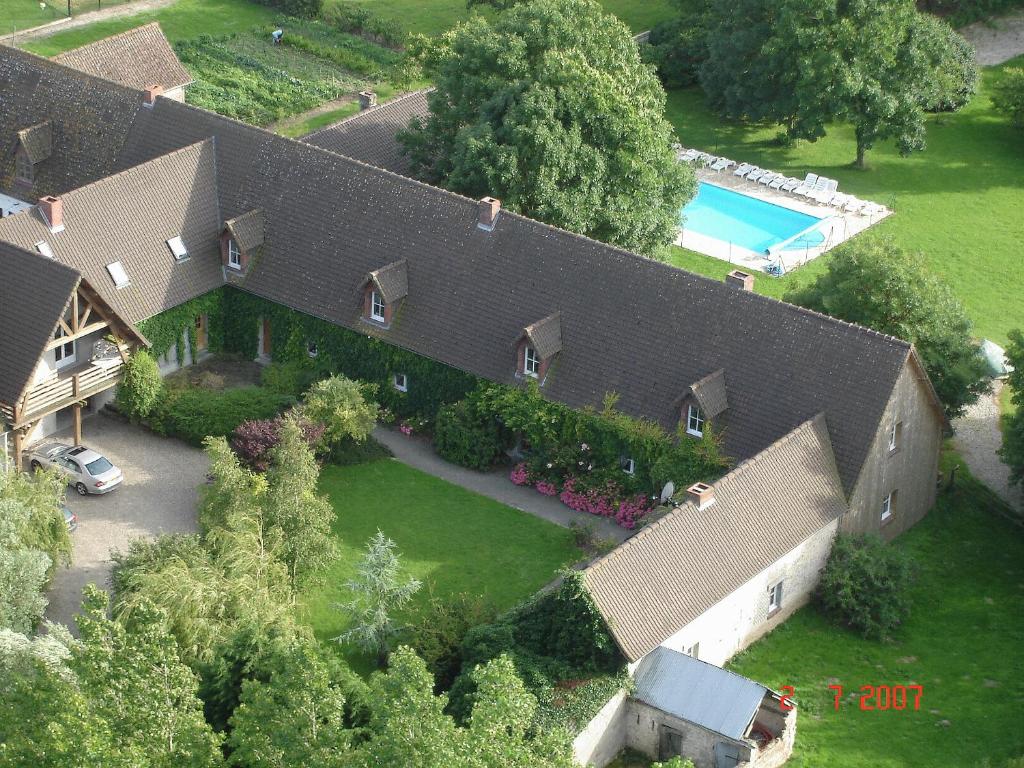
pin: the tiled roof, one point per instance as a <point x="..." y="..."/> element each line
<point x="392" y="281"/>
<point x="710" y="393"/>
<point x="137" y="58"/>
<point x="628" y="325"/>
<point x="37" y="141"/>
<point x="763" y="509"/>
<point x="370" y="135"/>
<point x="89" y="121"/>
<point x="247" y="230"/>
<point x="129" y="217"/>
<point x="34" y="292"/>
<point x="545" y="336"/>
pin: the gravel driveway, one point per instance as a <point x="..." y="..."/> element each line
<point x="159" y="495"/>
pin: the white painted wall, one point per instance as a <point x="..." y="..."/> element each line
<point x="741" y="618"/>
<point x="605" y="736"/>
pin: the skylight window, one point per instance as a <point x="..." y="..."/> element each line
<point x="44" y="248"/>
<point x="178" y="248"/>
<point x="118" y="275"/>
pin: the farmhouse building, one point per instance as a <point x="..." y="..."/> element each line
<point x="130" y="205"/>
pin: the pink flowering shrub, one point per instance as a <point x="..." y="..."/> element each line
<point x="405" y="429"/>
<point x="519" y="474"/>
<point x="604" y="501"/>
<point x="546" y="488"/>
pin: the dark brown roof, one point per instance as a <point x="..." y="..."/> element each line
<point x="763" y="509"/>
<point x="392" y="281"/>
<point x="370" y="135"/>
<point x="34" y="292"/>
<point x="545" y="336"/>
<point x="638" y="328"/>
<point x="129" y="217"/>
<point x="137" y="58"/>
<point x="37" y="141"/>
<point x="89" y="120"/>
<point x="246" y="230"/>
<point x="710" y="393"/>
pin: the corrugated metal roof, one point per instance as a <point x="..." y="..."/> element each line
<point x="702" y="693"/>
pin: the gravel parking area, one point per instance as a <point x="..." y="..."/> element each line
<point x="159" y="495"/>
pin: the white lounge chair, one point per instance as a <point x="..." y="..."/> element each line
<point x="809" y="184"/>
<point x="705" y="159"/>
<point x="769" y="177"/>
<point x="721" y="164"/>
<point x="686" y="155"/>
<point x="826" y="193"/>
<point x="788" y="185"/>
<point x="756" y="174"/>
<point x="744" y="169"/>
<point x="840" y="199"/>
<point x="750" y="170"/>
<point x="853" y="205"/>
<point x="871" y="209"/>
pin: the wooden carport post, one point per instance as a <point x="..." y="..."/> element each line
<point x="19" y="446"/>
<point x="76" y="410"/>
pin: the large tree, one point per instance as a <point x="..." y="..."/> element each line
<point x="1012" y="451"/>
<point x="22" y="571"/>
<point x="805" y="63"/>
<point x="551" y="109"/>
<point x="873" y="282"/>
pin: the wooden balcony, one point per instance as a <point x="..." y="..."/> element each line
<point x="70" y="385"/>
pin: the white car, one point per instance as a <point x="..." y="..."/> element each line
<point x="86" y="470"/>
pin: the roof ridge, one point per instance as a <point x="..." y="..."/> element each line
<point x="363" y="112"/>
<point x="689" y="505"/>
<point x="108" y="38"/>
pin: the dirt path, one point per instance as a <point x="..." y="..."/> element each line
<point x="977" y="438"/>
<point x="997" y="41"/>
<point x="283" y="126"/>
<point x="81" y="20"/>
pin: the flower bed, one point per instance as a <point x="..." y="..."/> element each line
<point x="592" y="494"/>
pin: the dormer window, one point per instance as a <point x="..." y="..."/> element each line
<point x="234" y="254"/>
<point x="377" y="307"/>
<point x="694" y="421"/>
<point x="24" y="170"/>
<point x="531" y="362"/>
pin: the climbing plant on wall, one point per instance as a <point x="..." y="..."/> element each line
<point x="169" y="328"/>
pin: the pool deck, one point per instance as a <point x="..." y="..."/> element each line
<point x="842" y="225"/>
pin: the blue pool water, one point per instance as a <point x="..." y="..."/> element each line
<point x="746" y="221"/>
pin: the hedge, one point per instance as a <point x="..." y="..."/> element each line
<point x="194" y="413"/>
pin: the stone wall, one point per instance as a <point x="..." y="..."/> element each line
<point x="605" y="735"/>
<point x="645" y="724"/>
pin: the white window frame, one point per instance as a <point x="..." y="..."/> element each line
<point x="178" y="249"/>
<point x="118" y="274"/>
<point x="628" y="465"/>
<point x="24" y="169"/>
<point x="775" y="594"/>
<point x="234" y="254"/>
<point x="894" y="435"/>
<point x="693" y="651"/>
<point x="531" y="362"/>
<point x="887" y="506"/>
<point x="694" y="421"/>
<point x="66" y="353"/>
<point x="377" y="307"/>
<point x="400" y="382"/>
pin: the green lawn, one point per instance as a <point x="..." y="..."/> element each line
<point x="958" y="202"/>
<point x="455" y="539"/>
<point x="432" y="17"/>
<point x="184" y="20"/>
<point x="963" y="644"/>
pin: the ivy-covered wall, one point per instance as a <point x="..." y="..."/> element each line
<point x="168" y="329"/>
<point x="340" y="350"/>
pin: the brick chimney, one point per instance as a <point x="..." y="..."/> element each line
<point x="152" y="91"/>
<point x="701" y="494"/>
<point x="52" y="209"/>
<point x="489" y="209"/>
<point x="741" y="280"/>
<point x="367" y="99"/>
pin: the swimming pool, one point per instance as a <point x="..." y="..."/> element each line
<point x="746" y="221"/>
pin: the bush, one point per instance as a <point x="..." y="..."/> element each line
<point x="464" y="436"/>
<point x="254" y="441"/>
<point x="339" y="404"/>
<point x="193" y="414"/>
<point x="353" y="18"/>
<point x="140" y="386"/>
<point x="865" y="585"/>
<point x="1012" y="450"/>
<point x="1008" y="96"/>
<point x="292" y="378"/>
<point x="677" y="48"/>
<point x="349" y="452"/>
<point x="304" y="9"/>
<point x="438" y="633"/>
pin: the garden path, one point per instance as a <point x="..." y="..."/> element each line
<point x="997" y="41"/>
<point x="977" y="437"/>
<point x="418" y="453"/>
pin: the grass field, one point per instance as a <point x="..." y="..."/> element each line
<point x="432" y="17"/>
<point x="963" y="644"/>
<point x="958" y="202"/>
<point x="448" y="536"/>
